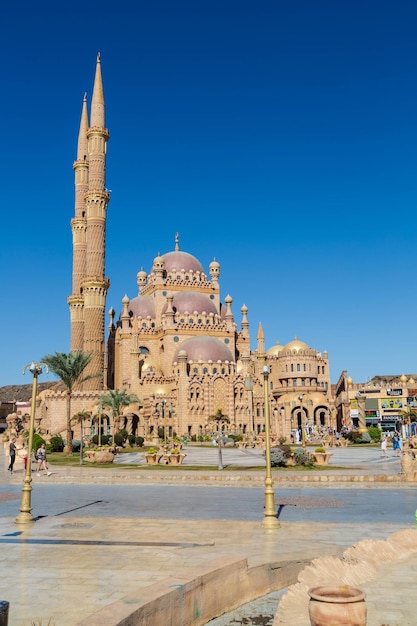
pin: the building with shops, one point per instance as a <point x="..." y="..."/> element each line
<point x="384" y="401"/>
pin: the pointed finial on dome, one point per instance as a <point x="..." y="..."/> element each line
<point x="177" y="239"/>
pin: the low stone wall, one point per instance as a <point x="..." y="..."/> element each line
<point x="198" y="595"/>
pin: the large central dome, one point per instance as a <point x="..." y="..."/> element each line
<point x="178" y="260"/>
<point x="205" y="348"/>
<point x="191" y="302"/>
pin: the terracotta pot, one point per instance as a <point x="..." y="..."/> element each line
<point x="340" y="605"/>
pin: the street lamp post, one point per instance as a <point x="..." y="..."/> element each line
<point x="161" y="410"/>
<point x="270" y="520"/>
<point x="25" y="516"/>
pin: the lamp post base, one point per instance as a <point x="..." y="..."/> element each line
<point x="270" y="523"/>
<point x="270" y="516"/>
<point x="24" y="517"/>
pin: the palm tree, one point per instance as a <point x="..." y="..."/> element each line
<point x="80" y="417"/>
<point x="408" y="415"/>
<point x="69" y="368"/>
<point x="220" y="419"/>
<point x="116" y="400"/>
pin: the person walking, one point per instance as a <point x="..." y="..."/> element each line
<point x="41" y="458"/>
<point x="384" y="445"/>
<point x="12" y="454"/>
<point x="396" y="444"/>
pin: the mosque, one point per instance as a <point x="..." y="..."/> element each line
<point x="176" y="345"/>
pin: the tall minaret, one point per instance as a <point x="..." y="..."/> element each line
<point x="79" y="235"/>
<point x="90" y="285"/>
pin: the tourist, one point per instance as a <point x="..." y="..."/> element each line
<point x="396" y="444"/>
<point x="12" y="454"/>
<point x="41" y="458"/>
<point x="383" y="445"/>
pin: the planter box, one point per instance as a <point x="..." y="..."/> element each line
<point x="322" y="458"/>
<point x="176" y="459"/>
<point x="153" y="459"/>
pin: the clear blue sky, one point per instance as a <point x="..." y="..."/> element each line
<point x="279" y="137"/>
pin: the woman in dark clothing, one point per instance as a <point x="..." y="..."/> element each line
<point x="12" y="453"/>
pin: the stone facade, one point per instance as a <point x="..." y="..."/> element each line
<point x="176" y="344"/>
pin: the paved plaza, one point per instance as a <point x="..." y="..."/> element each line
<point x="103" y="535"/>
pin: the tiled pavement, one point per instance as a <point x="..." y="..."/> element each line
<point x="64" y="569"/>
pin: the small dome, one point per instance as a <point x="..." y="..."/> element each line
<point x="296" y="345"/>
<point x="191" y="301"/>
<point x="275" y="350"/>
<point x="179" y="260"/>
<point x="158" y="262"/>
<point x="142" y="306"/>
<point x="205" y="348"/>
<point x="403" y="378"/>
<point x="141" y="277"/>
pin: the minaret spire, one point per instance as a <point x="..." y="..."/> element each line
<point x="79" y="234"/>
<point x="82" y="150"/>
<point x="261" y="340"/>
<point x="89" y="254"/>
<point x="97" y="102"/>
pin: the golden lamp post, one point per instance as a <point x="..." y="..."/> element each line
<point x="270" y="520"/>
<point x="25" y="516"/>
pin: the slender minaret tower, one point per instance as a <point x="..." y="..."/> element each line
<point x="90" y="286"/>
<point x="79" y="238"/>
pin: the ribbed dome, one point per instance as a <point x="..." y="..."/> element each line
<point x="142" y="306"/>
<point x="205" y="348"/>
<point x="275" y="350"/>
<point x="179" y="260"/>
<point x="296" y="345"/>
<point x="191" y="301"/>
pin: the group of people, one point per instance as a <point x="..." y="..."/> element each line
<point x="40" y="457"/>
<point x="397" y="444"/>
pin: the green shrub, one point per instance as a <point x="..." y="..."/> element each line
<point x="123" y="433"/>
<point x="104" y="440"/>
<point x="139" y="441"/>
<point x="56" y="444"/>
<point x="320" y="449"/>
<point x="131" y="439"/>
<point x="119" y="439"/>
<point x="354" y="436"/>
<point x="286" y="449"/>
<point x="278" y="458"/>
<point x="236" y="437"/>
<point x="152" y="450"/>
<point x="282" y="440"/>
<point x="76" y="445"/>
<point x="301" y="457"/>
<point x="375" y="433"/>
